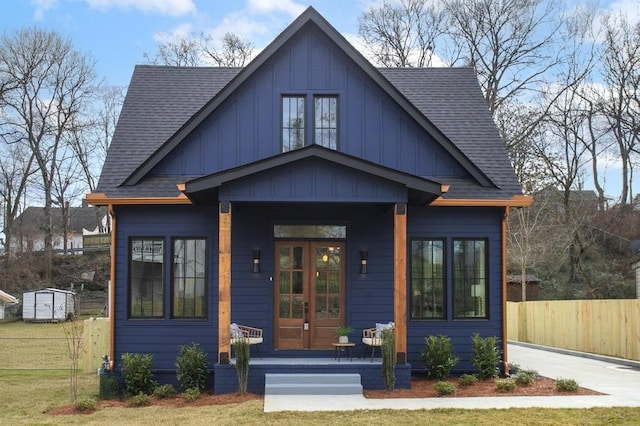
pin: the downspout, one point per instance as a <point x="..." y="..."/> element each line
<point x="112" y="288"/>
<point x="504" y="290"/>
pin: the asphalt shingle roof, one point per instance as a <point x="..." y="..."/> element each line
<point x="162" y="101"/>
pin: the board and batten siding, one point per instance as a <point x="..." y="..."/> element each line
<point x="248" y="126"/>
<point x="450" y="223"/>
<point x="162" y="337"/>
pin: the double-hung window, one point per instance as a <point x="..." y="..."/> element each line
<point x="188" y="293"/>
<point x="470" y="277"/>
<point x="326" y="121"/>
<point x="293" y="128"/>
<point x="296" y="133"/>
<point x="146" y="277"/>
<point x="427" y="279"/>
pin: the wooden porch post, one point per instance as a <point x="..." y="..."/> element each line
<point x="504" y="291"/>
<point x="224" y="281"/>
<point x="400" y="280"/>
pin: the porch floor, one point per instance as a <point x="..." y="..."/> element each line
<point x="311" y="361"/>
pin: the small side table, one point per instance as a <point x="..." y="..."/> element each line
<point x="346" y="346"/>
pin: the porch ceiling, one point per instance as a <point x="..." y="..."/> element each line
<point x="206" y="189"/>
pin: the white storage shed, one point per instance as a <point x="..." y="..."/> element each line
<point x="49" y="304"/>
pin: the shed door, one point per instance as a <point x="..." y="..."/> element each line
<point x="44" y="305"/>
<point x="309" y="296"/>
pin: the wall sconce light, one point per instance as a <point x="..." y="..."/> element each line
<point x="256" y="261"/>
<point x="363" y="261"/>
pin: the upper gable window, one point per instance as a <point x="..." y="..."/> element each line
<point x="324" y="129"/>
<point x="292" y="123"/>
<point x="326" y="121"/>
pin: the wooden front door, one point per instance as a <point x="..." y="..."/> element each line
<point x="309" y="296"/>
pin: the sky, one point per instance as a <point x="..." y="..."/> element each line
<point x="117" y="33"/>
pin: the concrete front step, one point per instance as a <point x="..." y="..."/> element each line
<point x="312" y="384"/>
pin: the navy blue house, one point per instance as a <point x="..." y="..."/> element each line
<point x="306" y="190"/>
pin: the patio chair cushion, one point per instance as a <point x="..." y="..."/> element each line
<point x="236" y="333"/>
<point x="381" y="327"/>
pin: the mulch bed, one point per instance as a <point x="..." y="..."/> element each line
<point x="420" y="388"/>
<point x="423" y="388"/>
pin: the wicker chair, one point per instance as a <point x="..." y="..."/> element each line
<point x="372" y="337"/>
<point x="251" y="335"/>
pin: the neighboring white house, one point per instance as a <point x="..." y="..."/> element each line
<point x="6" y="299"/>
<point x="28" y="230"/>
<point x="49" y="304"/>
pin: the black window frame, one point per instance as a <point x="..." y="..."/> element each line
<point x="154" y="279"/>
<point x="421" y="288"/>
<point x="203" y="279"/>
<point x="470" y="300"/>
<point x="322" y="129"/>
<point x="290" y="127"/>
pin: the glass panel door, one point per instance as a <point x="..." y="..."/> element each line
<point x="309" y="293"/>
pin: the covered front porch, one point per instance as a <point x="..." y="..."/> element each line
<point x="226" y="379"/>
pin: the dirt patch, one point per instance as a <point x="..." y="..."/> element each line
<point x="423" y="388"/>
<point x="420" y="388"/>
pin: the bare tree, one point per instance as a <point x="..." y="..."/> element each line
<point x="197" y="50"/>
<point x="621" y="102"/>
<point x="54" y="84"/>
<point x="176" y="51"/>
<point x="234" y="52"/>
<point x="15" y="170"/>
<point x="510" y="43"/>
<point x="404" y="33"/>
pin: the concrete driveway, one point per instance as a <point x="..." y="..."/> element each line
<point x="618" y="380"/>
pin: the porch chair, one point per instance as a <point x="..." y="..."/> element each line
<point x="372" y="337"/>
<point x="252" y="335"/>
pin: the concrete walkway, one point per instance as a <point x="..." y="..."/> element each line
<point x="618" y="379"/>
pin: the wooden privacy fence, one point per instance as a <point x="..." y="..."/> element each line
<point x="605" y="327"/>
<point x="95" y="337"/>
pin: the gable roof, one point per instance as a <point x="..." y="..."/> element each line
<point x="421" y="191"/>
<point x="308" y="17"/>
<point x="79" y="218"/>
<point x="7" y="298"/>
<point x="165" y="104"/>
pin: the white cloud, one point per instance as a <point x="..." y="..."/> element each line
<point x="161" y="7"/>
<point x="290" y="7"/>
<point x="628" y="8"/>
<point x="42" y="6"/>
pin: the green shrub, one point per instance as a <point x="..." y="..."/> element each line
<point x="529" y="371"/>
<point x="191" y="367"/>
<point x="164" y="391"/>
<point x="524" y="378"/>
<point x="444" y="388"/>
<point x="513" y="368"/>
<point x="566" y="385"/>
<point x="86" y="404"/>
<point x="486" y="356"/>
<point x="389" y="359"/>
<point x="137" y="373"/>
<point x="505" y="385"/>
<point x="438" y="356"/>
<point x="191" y="394"/>
<point x="140" y="400"/>
<point x="467" y="380"/>
<point x="242" y="364"/>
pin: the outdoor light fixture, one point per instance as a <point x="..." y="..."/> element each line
<point x="363" y="261"/>
<point x="256" y="261"/>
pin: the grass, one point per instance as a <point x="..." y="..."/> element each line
<point x="33" y="346"/>
<point x="27" y="394"/>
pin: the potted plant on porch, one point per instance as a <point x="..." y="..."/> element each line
<point x="343" y="332"/>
